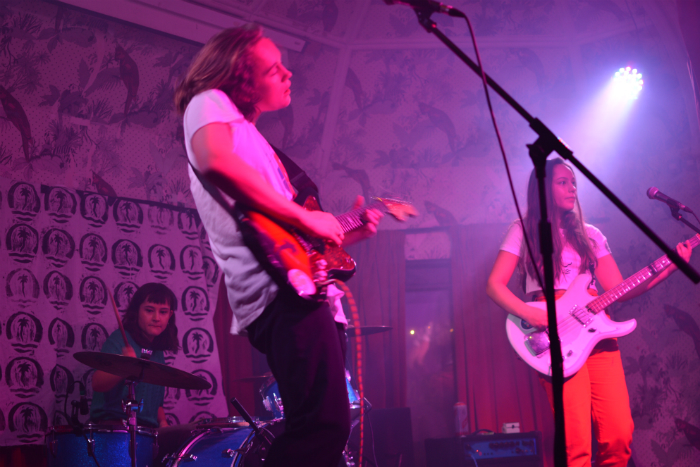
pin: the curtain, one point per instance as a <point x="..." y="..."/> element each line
<point x="496" y="386"/>
<point x="379" y="287"/>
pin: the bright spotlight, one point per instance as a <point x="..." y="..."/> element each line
<point x="628" y="82"/>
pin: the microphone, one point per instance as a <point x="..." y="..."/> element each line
<point x="430" y="6"/>
<point x="654" y="193"/>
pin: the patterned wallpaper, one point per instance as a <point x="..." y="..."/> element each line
<point x="380" y="107"/>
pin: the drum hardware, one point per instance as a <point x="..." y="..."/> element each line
<point x="253" y="379"/>
<point x="90" y="442"/>
<point x="246" y="416"/>
<point x="366" y="330"/>
<point x="75" y="405"/>
<point x="129" y="406"/>
<point x="172" y="457"/>
<point x="135" y="370"/>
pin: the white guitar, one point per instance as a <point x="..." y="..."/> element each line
<point x="581" y="324"/>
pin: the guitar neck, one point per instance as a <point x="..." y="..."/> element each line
<point x="353" y="220"/>
<point x="626" y="286"/>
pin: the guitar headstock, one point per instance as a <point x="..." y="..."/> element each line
<point x="401" y="210"/>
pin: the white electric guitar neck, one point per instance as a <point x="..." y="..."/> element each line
<point x="581" y="324"/>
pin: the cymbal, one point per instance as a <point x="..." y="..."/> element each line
<point x="253" y="379"/>
<point x="366" y="330"/>
<point x="141" y="370"/>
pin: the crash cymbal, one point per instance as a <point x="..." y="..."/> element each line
<point x="141" y="370"/>
<point x="366" y="330"/>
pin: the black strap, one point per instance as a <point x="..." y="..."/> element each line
<point x="211" y="189"/>
<point x="300" y="181"/>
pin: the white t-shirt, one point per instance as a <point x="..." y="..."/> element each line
<point x="570" y="259"/>
<point x="249" y="288"/>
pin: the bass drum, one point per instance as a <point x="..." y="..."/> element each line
<point x="106" y="444"/>
<point x="219" y="444"/>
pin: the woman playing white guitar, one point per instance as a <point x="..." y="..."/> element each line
<point x="598" y="391"/>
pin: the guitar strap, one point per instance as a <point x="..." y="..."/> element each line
<point x="297" y="177"/>
<point x="253" y="239"/>
<point x="300" y="181"/>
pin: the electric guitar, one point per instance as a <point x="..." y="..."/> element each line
<point x="580" y="322"/>
<point x="306" y="263"/>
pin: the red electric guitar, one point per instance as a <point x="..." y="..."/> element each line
<point x="306" y="263"/>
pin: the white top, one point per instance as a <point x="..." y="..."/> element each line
<point x="249" y="288"/>
<point x="570" y="259"/>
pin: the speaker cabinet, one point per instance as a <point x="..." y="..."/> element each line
<point x="498" y="450"/>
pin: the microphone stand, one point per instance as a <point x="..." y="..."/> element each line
<point x="675" y="213"/>
<point x="546" y="143"/>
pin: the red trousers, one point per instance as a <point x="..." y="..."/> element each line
<point x="597" y="393"/>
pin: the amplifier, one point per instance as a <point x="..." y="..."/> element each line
<point x="497" y="450"/>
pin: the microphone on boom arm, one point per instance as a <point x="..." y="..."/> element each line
<point x="654" y="193"/>
<point x="430" y="6"/>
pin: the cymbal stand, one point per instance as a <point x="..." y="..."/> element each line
<point x="131" y="407"/>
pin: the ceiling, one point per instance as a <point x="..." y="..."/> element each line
<point x="371" y="24"/>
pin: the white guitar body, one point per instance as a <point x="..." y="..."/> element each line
<point x="580" y="330"/>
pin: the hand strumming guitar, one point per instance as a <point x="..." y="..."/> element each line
<point x="321" y="224"/>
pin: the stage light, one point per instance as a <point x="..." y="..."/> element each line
<point x="628" y="82"/>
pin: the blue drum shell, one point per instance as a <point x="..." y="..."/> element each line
<point x="210" y="446"/>
<point x="66" y="449"/>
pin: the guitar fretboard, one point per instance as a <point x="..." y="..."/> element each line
<point x="614" y="294"/>
<point x="353" y="219"/>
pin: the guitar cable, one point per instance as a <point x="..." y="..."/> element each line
<point x="355" y="317"/>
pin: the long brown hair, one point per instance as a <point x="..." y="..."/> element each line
<point x="154" y="293"/>
<point x="225" y="63"/>
<point x="575" y="233"/>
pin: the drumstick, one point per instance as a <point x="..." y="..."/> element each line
<point x="119" y="318"/>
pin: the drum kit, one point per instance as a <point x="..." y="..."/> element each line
<point x="222" y="442"/>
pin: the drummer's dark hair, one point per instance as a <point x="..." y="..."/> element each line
<point x="156" y="293"/>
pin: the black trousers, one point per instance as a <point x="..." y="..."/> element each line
<point x="305" y="350"/>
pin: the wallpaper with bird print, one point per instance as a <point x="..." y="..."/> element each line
<point x="381" y="108"/>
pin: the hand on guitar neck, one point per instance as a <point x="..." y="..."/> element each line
<point x="324" y="225"/>
<point x="371" y="218"/>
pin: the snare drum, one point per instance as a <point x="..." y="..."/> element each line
<point x="109" y="443"/>
<point x="273" y="401"/>
<point x="223" y="444"/>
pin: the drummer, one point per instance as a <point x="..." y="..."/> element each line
<point x="149" y="324"/>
